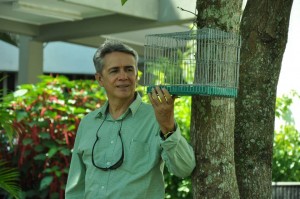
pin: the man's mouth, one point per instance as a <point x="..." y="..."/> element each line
<point x="123" y="86"/>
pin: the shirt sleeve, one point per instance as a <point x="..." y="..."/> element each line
<point x="75" y="184"/>
<point x="178" y="154"/>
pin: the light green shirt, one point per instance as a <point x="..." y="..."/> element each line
<point x="145" y="153"/>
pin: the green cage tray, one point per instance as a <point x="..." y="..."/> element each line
<point x="188" y="90"/>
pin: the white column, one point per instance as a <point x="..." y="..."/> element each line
<point x="30" y="60"/>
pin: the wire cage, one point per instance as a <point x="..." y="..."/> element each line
<point x="196" y="62"/>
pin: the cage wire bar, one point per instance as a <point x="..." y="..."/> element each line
<point x="196" y="62"/>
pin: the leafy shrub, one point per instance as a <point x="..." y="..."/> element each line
<point x="47" y="116"/>
<point x="286" y="153"/>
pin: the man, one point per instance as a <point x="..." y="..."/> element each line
<point x="121" y="148"/>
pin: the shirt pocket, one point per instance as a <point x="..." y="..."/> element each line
<point x="138" y="156"/>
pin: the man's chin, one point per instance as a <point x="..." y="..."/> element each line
<point x="125" y="95"/>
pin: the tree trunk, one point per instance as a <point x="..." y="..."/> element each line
<point x="212" y="127"/>
<point x="212" y="122"/>
<point x="264" y="30"/>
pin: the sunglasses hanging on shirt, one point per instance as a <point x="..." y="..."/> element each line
<point x="119" y="162"/>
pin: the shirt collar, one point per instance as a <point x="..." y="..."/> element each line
<point x="133" y="107"/>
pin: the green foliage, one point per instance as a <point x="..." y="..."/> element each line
<point x="123" y="2"/>
<point x="6" y="119"/>
<point x="8" y="176"/>
<point x="283" y="108"/>
<point x="183" y="115"/>
<point x="286" y="153"/>
<point x="8" y="180"/>
<point x="47" y="116"/>
<point x="177" y="188"/>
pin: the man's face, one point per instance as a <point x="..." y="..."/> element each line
<point x="119" y="76"/>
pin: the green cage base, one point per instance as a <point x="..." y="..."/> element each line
<point x="188" y="90"/>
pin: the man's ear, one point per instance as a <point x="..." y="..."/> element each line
<point x="98" y="77"/>
<point x="137" y="74"/>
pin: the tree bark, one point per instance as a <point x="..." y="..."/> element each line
<point x="212" y="127"/>
<point x="264" y="30"/>
<point x="212" y="121"/>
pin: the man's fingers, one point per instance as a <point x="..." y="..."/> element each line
<point x="152" y="97"/>
<point x="160" y="96"/>
<point x="169" y="98"/>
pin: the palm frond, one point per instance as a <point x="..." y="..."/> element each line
<point x="6" y="119"/>
<point x="8" y="180"/>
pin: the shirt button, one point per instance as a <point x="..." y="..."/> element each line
<point x="108" y="163"/>
<point x="102" y="187"/>
<point x="112" y="142"/>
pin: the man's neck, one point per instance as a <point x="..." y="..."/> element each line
<point x="118" y="107"/>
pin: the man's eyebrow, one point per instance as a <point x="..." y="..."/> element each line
<point x="118" y="67"/>
<point x="114" y="68"/>
<point x="129" y="66"/>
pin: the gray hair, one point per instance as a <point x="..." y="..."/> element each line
<point x="110" y="46"/>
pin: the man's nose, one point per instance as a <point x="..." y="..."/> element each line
<point x="123" y="75"/>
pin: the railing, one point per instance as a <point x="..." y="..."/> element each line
<point x="286" y="190"/>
